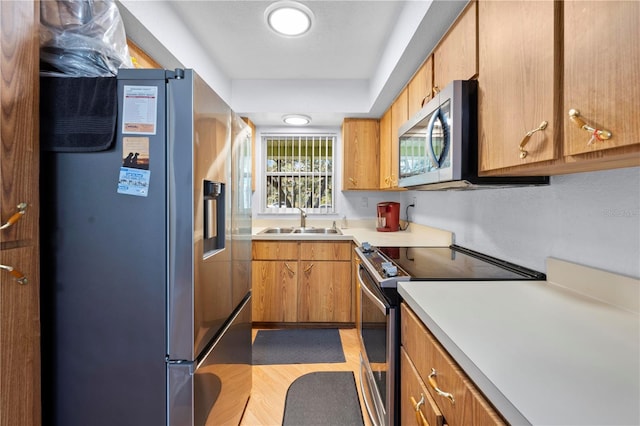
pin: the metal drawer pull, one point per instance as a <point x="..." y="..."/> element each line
<point x="353" y="181"/>
<point x="596" y="134"/>
<point x="434" y="385"/>
<point x="286" y="265"/>
<point x="19" y="275"/>
<point x="16" y="216"/>
<point x="420" y="420"/>
<point x="308" y="269"/>
<point x="525" y="140"/>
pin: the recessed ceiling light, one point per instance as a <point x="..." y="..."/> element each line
<point x="289" y="18"/>
<point x="296" y="119"/>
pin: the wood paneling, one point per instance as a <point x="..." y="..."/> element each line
<point x="19" y="246"/>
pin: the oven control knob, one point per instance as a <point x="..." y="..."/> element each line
<point x="389" y="269"/>
<point x="366" y="247"/>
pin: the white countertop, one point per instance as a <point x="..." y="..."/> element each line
<point x="542" y="354"/>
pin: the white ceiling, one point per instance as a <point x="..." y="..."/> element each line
<point x="353" y="62"/>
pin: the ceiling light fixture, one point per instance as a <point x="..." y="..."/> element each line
<point x="289" y="18"/>
<point x="296" y="119"/>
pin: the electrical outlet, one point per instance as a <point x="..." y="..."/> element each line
<point x="364" y="202"/>
<point x="413" y="201"/>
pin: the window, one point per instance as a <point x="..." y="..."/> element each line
<point x="299" y="173"/>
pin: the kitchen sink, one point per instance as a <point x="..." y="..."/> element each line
<point x="317" y="231"/>
<point x="312" y="230"/>
<point x="277" y="231"/>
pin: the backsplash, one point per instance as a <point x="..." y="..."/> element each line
<point x="588" y="218"/>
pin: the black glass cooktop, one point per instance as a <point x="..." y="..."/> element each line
<point x="452" y="263"/>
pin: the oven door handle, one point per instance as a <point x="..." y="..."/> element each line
<point x="384" y="307"/>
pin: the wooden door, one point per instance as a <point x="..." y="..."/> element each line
<point x="361" y="145"/>
<point x="19" y="245"/>
<point x="385" y="150"/>
<point x="274" y="286"/>
<point x="420" y="88"/>
<point x="399" y="116"/>
<point x="324" y="293"/>
<point x="601" y="74"/>
<point x="519" y="53"/>
<point x="456" y="57"/>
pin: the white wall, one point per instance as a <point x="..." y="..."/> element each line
<point x="588" y="218"/>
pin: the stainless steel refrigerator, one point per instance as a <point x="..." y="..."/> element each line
<point x="146" y="252"/>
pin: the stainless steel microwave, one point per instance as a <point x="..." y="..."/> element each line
<point x="439" y="145"/>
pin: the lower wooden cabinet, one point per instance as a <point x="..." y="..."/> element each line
<point x="417" y="407"/>
<point x="460" y="402"/>
<point x="302" y="281"/>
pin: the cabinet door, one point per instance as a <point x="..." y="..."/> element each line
<point x="519" y="56"/>
<point x="274" y="250"/>
<point x="385" y="150"/>
<point x="399" y="116"/>
<point x="361" y="144"/>
<point x="417" y="407"/>
<point x="325" y="250"/>
<point x="602" y="73"/>
<point x="420" y="87"/>
<point x="456" y="57"/>
<point x="324" y="294"/>
<point x="274" y="290"/>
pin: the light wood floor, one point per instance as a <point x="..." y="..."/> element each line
<point x="270" y="383"/>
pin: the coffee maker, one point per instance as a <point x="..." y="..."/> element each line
<point x="388" y="216"/>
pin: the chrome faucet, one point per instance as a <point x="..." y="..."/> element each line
<point x="303" y="217"/>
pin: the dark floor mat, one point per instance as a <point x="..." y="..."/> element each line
<point x="297" y="346"/>
<point x="323" y="398"/>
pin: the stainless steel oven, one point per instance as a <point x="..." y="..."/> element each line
<point x="378" y="322"/>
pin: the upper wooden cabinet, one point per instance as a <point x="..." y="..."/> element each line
<point x="602" y="77"/>
<point x="360" y="153"/>
<point x="518" y="81"/>
<point x="385" y="150"/>
<point x="540" y="60"/>
<point x="456" y="56"/>
<point x="420" y="88"/>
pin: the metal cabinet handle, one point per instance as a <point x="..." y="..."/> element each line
<point x="434" y="386"/>
<point x="291" y="271"/>
<point x="394" y="179"/>
<point x="22" y="207"/>
<point x="420" y="420"/>
<point x="353" y="181"/>
<point x="20" y="277"/>
<point x="308" y="268"/>
<point x="525" y="140"/>
<point x="596" y="134"/>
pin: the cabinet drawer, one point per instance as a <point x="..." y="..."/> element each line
<point x="413" y="392"/>
<point x="325" y="250"/>
<point x="427" y="354"/>
<point x="274" y="250"/>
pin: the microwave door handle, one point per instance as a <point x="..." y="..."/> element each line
<point x="435" y="160"/>
<point x="384" y="308"/>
